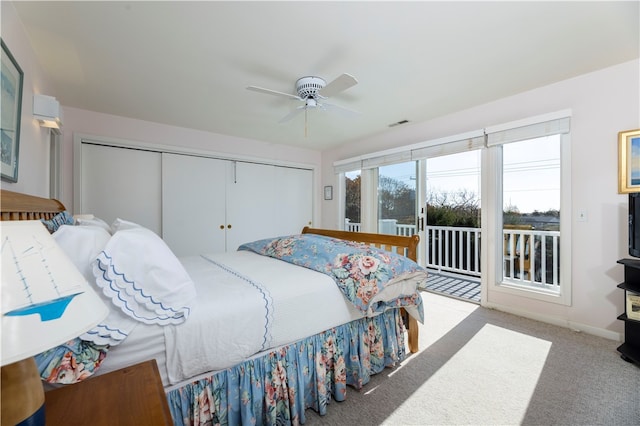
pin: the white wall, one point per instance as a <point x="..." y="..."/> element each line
<point x="602" y="104"/>
<point x="33" y="154"/>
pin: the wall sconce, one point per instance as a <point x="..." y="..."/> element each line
<point x="46" y="109"/>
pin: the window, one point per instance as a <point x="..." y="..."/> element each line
<point x="531" y="209"/>
<point x="531" y="212"/>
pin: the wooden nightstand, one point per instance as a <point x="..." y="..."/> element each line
<point x="130" y="396"/>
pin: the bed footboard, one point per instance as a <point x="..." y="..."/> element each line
<point x="405" y="246"/>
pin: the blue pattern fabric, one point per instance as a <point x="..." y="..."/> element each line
<point x="371" y="278"/>
<point x="276" y="388"/>
<point x="71" y="362"/>
<point x="62" y="218"/>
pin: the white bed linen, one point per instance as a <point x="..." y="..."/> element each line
<point x="304" y="303"/>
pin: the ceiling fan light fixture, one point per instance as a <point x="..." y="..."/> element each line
<point x="313" y="91"/>
<point x="308" y="87"/>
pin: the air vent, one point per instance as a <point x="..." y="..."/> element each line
<point x="398" y="123"/>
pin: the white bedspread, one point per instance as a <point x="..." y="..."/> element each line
<point x="238" y="314"/>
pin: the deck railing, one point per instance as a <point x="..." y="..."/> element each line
<point x="457" y="249"/>
<point x="453" y="249"/>
<point x="386" y="226"/>
<point x="539" y="261"/>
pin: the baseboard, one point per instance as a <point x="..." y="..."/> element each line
<point x="561" y="322"/>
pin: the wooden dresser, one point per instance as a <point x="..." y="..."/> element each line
<point x="130" y="396"/>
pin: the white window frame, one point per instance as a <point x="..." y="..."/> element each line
<point x="492" y="204"/>
<point x="369" y="200"/>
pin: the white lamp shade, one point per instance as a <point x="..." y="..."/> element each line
<point x="46" y="301"/>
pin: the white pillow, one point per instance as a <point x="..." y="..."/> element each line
<point x="82" y="244"/>
<point x="142" y="276"/>
<point x="91" y="220"/>
<point x="121" y="224"/>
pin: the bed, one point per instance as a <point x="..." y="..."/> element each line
<point x="270" y="373"/>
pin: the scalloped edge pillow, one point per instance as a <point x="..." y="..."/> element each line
<point x="140" y="274"/>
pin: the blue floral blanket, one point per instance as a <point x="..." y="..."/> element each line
<point x="71" y="362"/>
<point x="371" y="278"/>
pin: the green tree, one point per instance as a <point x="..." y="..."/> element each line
<point x="396" y="200"/>
<point x="352" y="200"/>
<point x="511" y="215"/>
<point x="459" y="208"/>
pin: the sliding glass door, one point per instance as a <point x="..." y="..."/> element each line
<point x="452" y="234"/>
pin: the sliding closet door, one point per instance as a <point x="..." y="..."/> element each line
<point x="265" y="201"/>
<point x="193" y="203"/>
<point x="251" y="195"/>
<point x="294" y="200"/>
<point x="120" y="183"/>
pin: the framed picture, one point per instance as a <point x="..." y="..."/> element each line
<point x="328" y="192"/>
<point x="629" y="161"/>
<point x="11" y="83"/>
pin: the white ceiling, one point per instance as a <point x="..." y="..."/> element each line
<point x="188" y="63"/>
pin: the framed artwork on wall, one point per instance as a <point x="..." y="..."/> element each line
<point x="629" y="161"/>
<point x="11" y="83"/>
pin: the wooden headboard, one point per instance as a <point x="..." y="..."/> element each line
<point x="16" y="206"/>
<point x="405" y="246"/>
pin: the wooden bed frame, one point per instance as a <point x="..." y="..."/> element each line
<point x="404" y="246"/>
<point x="17" y="206"/>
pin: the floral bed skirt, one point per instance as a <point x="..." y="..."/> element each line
<point x="277" y="387"/>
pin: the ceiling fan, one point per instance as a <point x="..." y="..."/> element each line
<point x="312" y="91"/>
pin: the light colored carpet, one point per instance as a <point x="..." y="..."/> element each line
<point x="483" y="367"/>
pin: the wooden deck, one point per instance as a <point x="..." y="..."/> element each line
<point x="462" y="287"/>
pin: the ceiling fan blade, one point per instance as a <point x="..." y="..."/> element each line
<point x="338" y="85"/>
<point x="273" y="92"/>
<point x="341" y="110"/>
<point x="292" y="114"/>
